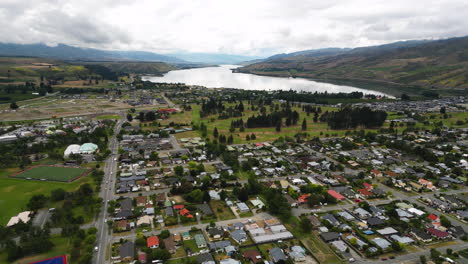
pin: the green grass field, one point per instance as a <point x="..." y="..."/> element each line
<point x="15" y="193"/>
<point x="61" y="247"/>
<point x="52" y="173"/>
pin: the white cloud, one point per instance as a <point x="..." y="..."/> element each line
<point x="247" y="27"/>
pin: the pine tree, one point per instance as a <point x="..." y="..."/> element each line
<point x="215" y="132"/>
<point x="304" y="125"/>
<point x="278" y="126"/>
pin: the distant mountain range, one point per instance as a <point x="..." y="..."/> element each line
<point x="213" y="58"/>
<point x="65" y="52"/>
<point x="426" y="64"/>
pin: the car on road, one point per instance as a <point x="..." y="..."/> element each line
<point x="96" y="249"/>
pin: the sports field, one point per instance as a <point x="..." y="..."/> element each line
<point x="51" y="173"/>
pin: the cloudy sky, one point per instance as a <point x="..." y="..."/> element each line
<point x="247" y="27"/>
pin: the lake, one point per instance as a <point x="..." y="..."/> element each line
<point x="223" y="77"/>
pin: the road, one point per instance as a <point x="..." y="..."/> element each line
<point x="107" y="193"/>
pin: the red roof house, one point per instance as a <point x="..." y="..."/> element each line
<point x="433" y="217"/>
<point x="336" y="195"/>
<point x="142" y="257"/>
<point x="368" y="186"/>
<point x="437" y="233"/>
<point x="179" y="206"/>
<point x="185" y="213"/>
<point x="152" y="242"/>
<point x="303" y="198"/>
<point x="365" y="192"/>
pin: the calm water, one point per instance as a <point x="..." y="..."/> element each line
<point x="222" y="77"/>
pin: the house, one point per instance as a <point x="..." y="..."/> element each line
<point x="330" y="236"/>
<point x="403" y="240"/>
<point x="336" y="195"/>
<point x="359" y="243"/>
<point x="205" y="209"/>
<point x="186" y="236"/>
<point x="387" y="231"/>
<point x="277" y="255"/>
<point x="421" y="235"/>
<point x="271" y="222"/>
<point x="428" y="184"/>
<point x="200" y="240"/>
<point x="257" y="203"/>
<point x="331" y="219"/>
<point x="179" y="207"/>
<point x="169" y="212"/>
<point x="362" y="213"/>
<point x="340" y="245"/>
<point x="364" y="192"/>
<point x="127" y="251"/>
<point x="205" y="258"/>
<point x="433" y="217"/>
<point x="21" y="217"/>
<point x="438" y="233"/>
<point x="278" y="229"/>
<point x="145" y="220"/>
<point x="368" y="186"/>
<point x="122" y="225"/>
<point x="140" y="201"/>
<point x="219" y="245"/>
<point x="314" y="221"/>
<point x="169" y="244"/>
<point x="297" y="253"/>
<point x="302" y="199"/>
<point x="375" y="221"/>
<point x="152" y="242"/>
<point x="381" y="243"/>
<point x="142" y="257"/>
<point x="253" y="255"/>
<point x="229" y="261"/>
<point x="239" y="236"/>
<point x="242" y="207"/>
<point x="216" y="232"/>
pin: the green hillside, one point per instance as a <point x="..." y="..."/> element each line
<point x="404" y="66"/>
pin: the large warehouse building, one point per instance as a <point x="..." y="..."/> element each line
<point x="86" y="148"/>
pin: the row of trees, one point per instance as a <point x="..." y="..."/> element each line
<point x="349" y="117"/>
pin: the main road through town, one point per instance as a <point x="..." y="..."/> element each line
<point x="107" y="193"/>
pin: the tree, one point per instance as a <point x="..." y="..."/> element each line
<point x="37" y="202"/>
<point x="252" y="136"/>
<point x="304" y="125"/>
<point x="161" y="254"/>
<point x="243" y="195"/>
<point x="206" y="196"/>
<point x="129" y="117"/>
<point x="278" y="126"/>
<point x="306" y="225"/>
<point x="397" y="246"/>
<point x="435" y="255"/>
<point x="215" y="132"/>
<point x="14" y="106"/>
<point x="316" y="117"/>
<point x="230" y="139"/>
<point x="179" y="170"/>
<point x="57" y="194"/>
<point x="445" y="221"/>
<point x="422" y="259"/>
<point x="247" y="137"/>
<point x="443" y="110"/>
<point x="164" y="234"/>
<point x="405" y="97"/>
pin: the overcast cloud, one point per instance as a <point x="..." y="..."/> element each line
<point x="246" y="27"/>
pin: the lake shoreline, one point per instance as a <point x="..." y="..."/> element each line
<point x="226" y="76"/>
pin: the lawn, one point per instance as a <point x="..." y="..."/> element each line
<point x="221" y="210"/>
<point x="266" y="133"/>
<point x="108" y="117"/>
<point x="62" y="247"/>
<point x="53" y="173"/>
<point x="190" y="244"/>
<point x="11" y="203"/>
<point x="312" y="241"/>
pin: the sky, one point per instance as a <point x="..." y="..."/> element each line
<point x="243" y="27"/>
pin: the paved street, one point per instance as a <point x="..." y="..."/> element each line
<point x="107" y="193"/>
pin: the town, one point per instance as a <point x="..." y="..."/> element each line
<point x="186" y="174"/>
